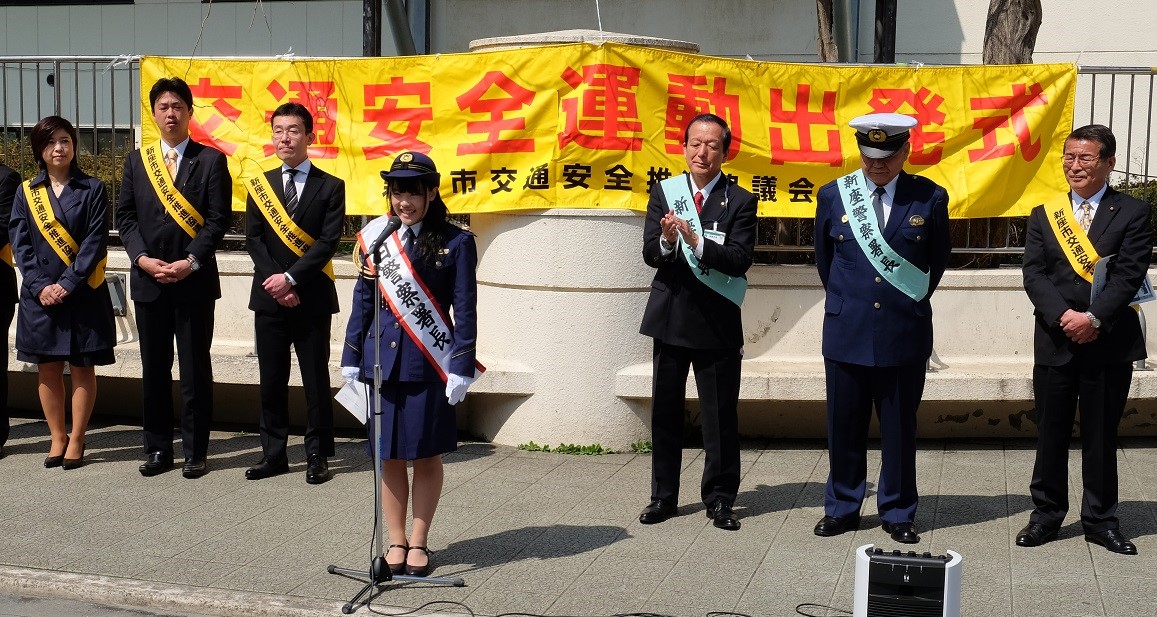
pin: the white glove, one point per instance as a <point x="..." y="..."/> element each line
<point x="350" y="373"/>
<point x="456" y="387"/>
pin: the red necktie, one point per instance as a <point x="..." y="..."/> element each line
<point x="698" y="202"/>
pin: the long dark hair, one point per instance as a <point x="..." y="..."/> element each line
<point x="42" y="133"/>
<point x="436" y="230"/>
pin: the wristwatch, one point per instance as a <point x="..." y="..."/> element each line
<point x="1096" y="323"/>
<point x="194" y="265"/>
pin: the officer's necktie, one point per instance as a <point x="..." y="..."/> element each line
<point x="878" y="204"/>
<point x="411" y="243"/>
<point x="699" y="202"/>
<point x="171" y="163"/>
<point x="290" y="191"/>
<point x="1086" y="219"/>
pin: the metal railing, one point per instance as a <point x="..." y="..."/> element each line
<point x="100" y="94"/>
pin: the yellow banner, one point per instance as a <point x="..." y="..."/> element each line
<point x="595" y="126"/>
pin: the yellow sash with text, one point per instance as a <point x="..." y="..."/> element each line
<point x="55" y="233"/>
<point x="1073" y="240"/>
<point x="297" y="239"/>
<point x="175" y="203"/>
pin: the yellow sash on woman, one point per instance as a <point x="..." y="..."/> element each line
<point x="175" y="203"/>
<point x="6" y="254"/>
<point x="297" y="239"/>
<point x="55" y="233"/>
<point x="1074" y="241"/>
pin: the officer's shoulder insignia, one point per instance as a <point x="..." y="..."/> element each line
<point x="916" y="220"/>
<point x="363" y="265"/>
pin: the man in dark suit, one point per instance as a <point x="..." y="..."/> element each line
<point x="701" y="254"/>
<point x="172" y="212"/>
<point x="9" y="182"/>
<point x="293" y="221"/>
<point x="1085" y="346"/>
<point x="881" y="242"/>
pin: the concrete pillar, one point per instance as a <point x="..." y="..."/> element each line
<point x="560" y="296"/>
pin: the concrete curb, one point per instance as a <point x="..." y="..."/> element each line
<point x="163" y="596"/>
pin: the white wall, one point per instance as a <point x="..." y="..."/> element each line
<point x="1114" y="33"/>
<point x="174" y="27"/>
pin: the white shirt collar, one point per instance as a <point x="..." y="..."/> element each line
<point x="417" y="227"/>
<point x="707" y="189"/>
<point x="1094" y="201"/>
<point x="889" y="189"/>
<point x="180" y="148"/>
<point x="303" y="170"/>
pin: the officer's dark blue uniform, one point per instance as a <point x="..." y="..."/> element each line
<point x="877" y="339"/>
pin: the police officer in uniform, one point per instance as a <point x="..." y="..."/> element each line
<point x="881" y="242"/>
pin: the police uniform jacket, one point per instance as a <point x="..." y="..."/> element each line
<point x="1120" y="227"/>
<point x="867" y="321"/>
<point x="84" y="322"/>
<point x="147" y="228"/>
<point x="681" y="310"/>
<point x="320" y="213"/>
<point x="451" y="281"/>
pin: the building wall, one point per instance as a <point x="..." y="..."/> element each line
<point x="1114" y="33"/>
<point x="174" y="28"/>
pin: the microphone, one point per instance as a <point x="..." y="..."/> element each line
<point x="391" y="226"/>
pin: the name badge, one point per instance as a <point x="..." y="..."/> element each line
<point x="718" y="237"/>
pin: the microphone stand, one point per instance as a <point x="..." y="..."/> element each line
<point x="379" y="573"/>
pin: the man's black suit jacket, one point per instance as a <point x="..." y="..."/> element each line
<point x="9" y="184"/>
<point x="681" y="310"/>
<point x="320" y="212"/>
<point x="1120" y="227"/>
<point x="146" y="227"/>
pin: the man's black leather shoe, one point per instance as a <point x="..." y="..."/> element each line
<point x="317" y="470"/>
<point x="722" y="516"/>
<point x="1035" y="534"/>
<point x="1113" y="540"/>
<point x="195" y="469"/>
<point x="267" y="468"/>
<point x="904" y="533"/>
<point x="156" y="463"/>
<point x="835" y="525"/>
<point x="657" y="512"/>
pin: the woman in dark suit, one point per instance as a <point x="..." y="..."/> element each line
<point x="65" y="314"/>
<point x="427" y="361"/>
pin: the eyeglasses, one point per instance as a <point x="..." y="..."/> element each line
<point x="292" y="131"/>
<point x="1085" y="159"/>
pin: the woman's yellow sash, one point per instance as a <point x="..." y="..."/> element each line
<point x="55" y="233"/>
<point x="297" y="239"/>
<point x="1074" y="241"/>
<point x="175" y="203"/>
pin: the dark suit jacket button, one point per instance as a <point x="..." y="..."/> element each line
<point x="396" y="326"/>
<point x="879" y="280"/>
<point x="393" y="344"/>
<point x="877" y="305"/>
<point x="918" y="238"/>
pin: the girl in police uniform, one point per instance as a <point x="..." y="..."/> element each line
<point x="416" y="403"/>
<point x="62" y="317"/>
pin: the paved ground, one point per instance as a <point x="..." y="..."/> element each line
<point x="34" y="606"/>
<point x="536" y="533"/>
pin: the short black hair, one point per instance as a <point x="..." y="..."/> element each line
<point x="176" y="85"/>
<point x="294" y="109"/>
<point x="1100" y="134"/>
<point x="42" y="133"/>
<point x="710" y="119"/>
